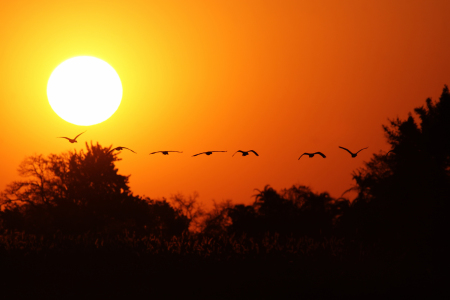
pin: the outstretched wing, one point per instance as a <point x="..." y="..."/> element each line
<point x="217" y="151"/>
<point x="63" y="137"/>
<point x="155" y="152"/>
<point x="253" y="152"/>
<point x="112" y="150"/>
<point x="361" y="150"/>
<point x="346" y="150"/>
<point x="198" y="153"/>
<point x="237" y="152"/>
<point x="302" y="155"/>
<point x="79" y="134"/>
<point x="321" y="154"/>
<point x="175" y="151"/>
<point x="128" y="149"/>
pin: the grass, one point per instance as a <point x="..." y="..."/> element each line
<point x="219" y="267"/>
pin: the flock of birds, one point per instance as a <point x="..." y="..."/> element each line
<point x="244" y="153"/>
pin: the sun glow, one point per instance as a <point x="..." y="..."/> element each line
<point x="84" y="90"/>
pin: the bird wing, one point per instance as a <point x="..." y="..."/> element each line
<point x="128" y="149"/>
<point x="302" y="155"/>
<point x="79" y="134"/>
<point x="198" y="153"/>
<point x="346" y="150"/>
<point x="63" y="137"/>
<point x="321" y="154"/>
<point x="237" y="152"/>
<point x="112" y="150"/>
<point x="217" y="151"/>
<point x="155" y="152"/>
<point x="253" y="152"/>
<point x="361" y="150"/>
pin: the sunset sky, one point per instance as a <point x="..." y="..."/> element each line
<point x="278" y="77"/>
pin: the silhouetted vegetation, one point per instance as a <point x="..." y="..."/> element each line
<point x="403" y="196"/>
<point x="74" y="215"/>
<point x="80" y="192"/>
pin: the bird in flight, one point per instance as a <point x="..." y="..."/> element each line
<point x="353" y="154"/>
<point x="207" y="153"/>
<point x="119" y="149"/>
<point x="74" y="140"/>
<point x="245" y="153"/>
<point x="166" y="152"/>
<point x="312" y="154"/>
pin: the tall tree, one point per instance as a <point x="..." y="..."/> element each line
<point x="403" y="196"/>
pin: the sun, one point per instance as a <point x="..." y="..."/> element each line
<point x="84" y="90"/>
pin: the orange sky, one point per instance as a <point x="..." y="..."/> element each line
<point x="279" y="77"/>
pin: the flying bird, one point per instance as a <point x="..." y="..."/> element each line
<point x="119" y="149"/>
<point x="207" y="153"/>
<point x="166" y="152"/>
<point x="245" y="153"/>
<point x="353" y="154"/>
<point x="312" y="154"/>
<point x="74" y="140"/>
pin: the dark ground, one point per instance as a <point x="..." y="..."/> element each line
<point x="104" y="274"/>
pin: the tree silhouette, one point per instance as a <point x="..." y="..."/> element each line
<point x="82" y="191"/>
<point x="191" y="208"/>
<point x="403" y="197"/>
<point x="217" y="220"/>
<point x="243" y="220"/>
<point x="36" y="190"/>
<point x="294" y="211"/>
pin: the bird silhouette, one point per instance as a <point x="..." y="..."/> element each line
<point x="166" y="152"/>
<point x="312" y="154"/>
<point x="245" y="153"/>
<point x="353" y="154"/>
<point x="207" y="153"/>
<point x="74" y="140"/>
<point x="119" y="149"/>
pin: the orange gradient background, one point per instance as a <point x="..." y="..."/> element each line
<point x="279" y="77"/>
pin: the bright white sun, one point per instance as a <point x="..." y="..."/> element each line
<point x="84" y="90"/>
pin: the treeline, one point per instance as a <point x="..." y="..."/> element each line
<point x="402" y="196"/>
<point x="80" y="192"/>
<point x="72" y="225"/>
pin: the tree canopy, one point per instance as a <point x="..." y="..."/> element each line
<point x="403" y="195"/>
<point x="81" y="191"/>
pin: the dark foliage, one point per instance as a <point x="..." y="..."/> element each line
<point x="403" y="197"/>
<point x="295" y="211"/>
<point x="75" y="215"/>
<point x="78" y="192"/>
<point x="194" y="265"/>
